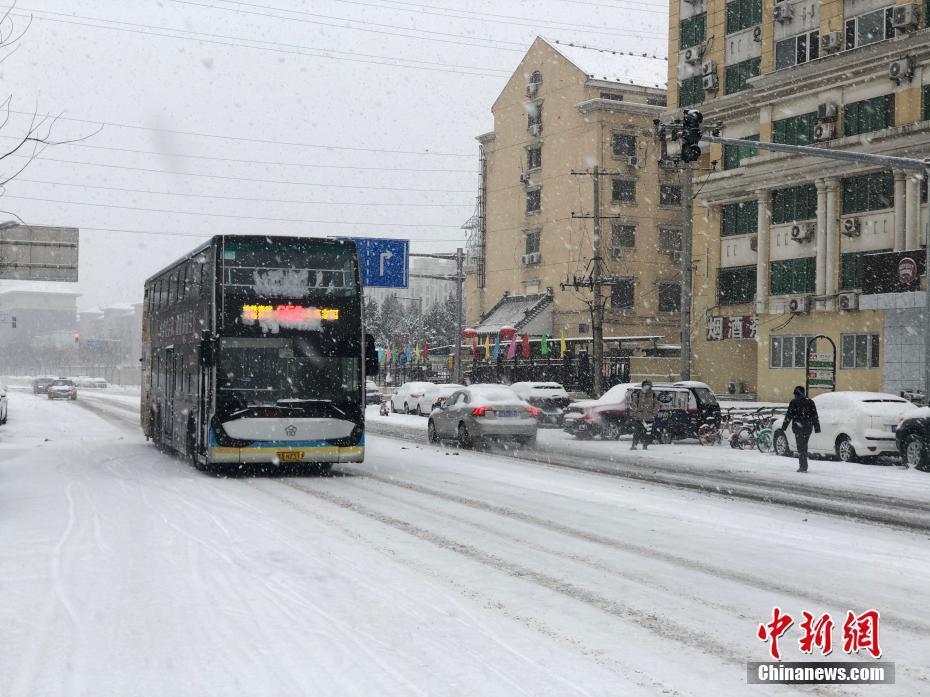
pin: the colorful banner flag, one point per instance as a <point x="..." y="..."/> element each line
<point x="544" y="345"/>
<point x="425" y="350"/>
<point x="390" y="356"/>
<point x="487" y="348"/>
<point x="562" y="344"/>
<point x="497" y="346"/>
<point x="416" y="351"/>
<point x="526" y="346"/>
<point x="512" y="349"/>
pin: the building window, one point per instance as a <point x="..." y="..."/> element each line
<point x="622" y="237"/>
<point x="868" y="115"/>
<point x="739" y="218"/>
<point x="613" y="97"/>
<point x="657" y="101"/>
<point x="534" y="115"/>
<point x="623" y="144"/>
<point x="532" y="241"/>
<point x="792" y="276"/>
<point x="669" y="240"/>
<point x="691" y="91"/>
<point x="788" y="351"/>
<point x="623" y="192"/>
<point x="692" y="31"/>
<point x="859" y="351"/>
<point x="793" y="204"/>
<point x="869" y="192"/>
<point x="796" y="130"/>
<point x="738" y="74"/>
<point x="733" y="154"/>
<point x="736" y="285"/>
<point x="742" y="14"/>
<point x="622" y="293"/>
<point x="851" y="269"/>
<point x="533" y="200"/>
<point x="926" y="102"/>
<point x="669" y="195"/>
<point x="536" y="78"/>
<point x="534" y="157"/>
<point x="869" y="28"/>
<point x="669" y="297"/>
<point x="797" y="50"/>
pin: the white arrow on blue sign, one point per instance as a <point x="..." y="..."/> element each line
<point x="385" y="263"/>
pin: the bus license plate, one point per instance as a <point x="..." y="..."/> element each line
<point x="293" y="456"/>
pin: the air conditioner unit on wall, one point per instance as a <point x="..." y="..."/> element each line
<point x="824" y="131"/>
<point x="757" y="34"/>
<point x="905" y="17"/>
<point x="848" y="301"/>
<point x="826" y="112"/>
<point x="667" y="163"/>
<point x="694" y="54"/>
<point x="710" y="83"/>
<point x="532" y="258"/>
<point x="535" y="129"/>
<point x="901" y="69"/>
<point x="832" y="41"/>
<point x="852" y="227"/>
<point x="783" y="13"/>
<point x="803" y="232"/>
<point x="708" y="67"/>
<point x="796" y="305"/>
<point x="632" y="160"/>
<point x="754" y="243"/>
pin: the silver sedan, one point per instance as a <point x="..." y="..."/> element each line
<point x="481" y="412"/>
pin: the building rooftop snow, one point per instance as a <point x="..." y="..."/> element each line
<point x="616" y="66"/>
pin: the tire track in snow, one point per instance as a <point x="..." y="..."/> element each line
<point x="713" y="571"/>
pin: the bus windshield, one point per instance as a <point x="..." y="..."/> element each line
<point x="261" y="371"/>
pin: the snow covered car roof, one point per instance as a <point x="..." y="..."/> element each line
<point x="492" y="393"/>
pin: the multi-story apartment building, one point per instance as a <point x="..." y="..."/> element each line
<point x="566" y="109"/>
<point x="780" y="240"/>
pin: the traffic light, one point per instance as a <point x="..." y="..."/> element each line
<point x="691" y="135"/>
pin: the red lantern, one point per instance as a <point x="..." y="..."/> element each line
<point x="507" y="332"/>
<point x="469" y="333"/>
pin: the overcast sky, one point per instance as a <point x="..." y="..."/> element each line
<point x="319" y="117"/>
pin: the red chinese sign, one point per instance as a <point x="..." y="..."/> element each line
<point x="860" y="633"/>
<point x="721" y="327"/>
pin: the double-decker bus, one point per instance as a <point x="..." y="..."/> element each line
<point x="254" y="351"/>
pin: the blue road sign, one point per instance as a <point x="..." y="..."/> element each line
<point x="385" y="263"/>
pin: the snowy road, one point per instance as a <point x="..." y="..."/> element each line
<point x="421" y="572"/>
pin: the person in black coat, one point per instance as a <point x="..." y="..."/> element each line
<point x="802" y="415"/>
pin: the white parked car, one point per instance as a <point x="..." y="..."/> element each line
<point x="853" y="426"/>
<point x="549" y="397"/>
<point x="421" y="397"/>
<point x="4" y="406"/>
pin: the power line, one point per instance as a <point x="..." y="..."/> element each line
<point x="167" y="233"/>
<point x="259" y="162"/>
<point x="263" y="141"/>
<point x="223" y="215"/>
<point x="500" y="19"/>
<point x="237" y="41"/>
<point x="253" y="180"/>
<point x="19" y="180"/>
<point x="521" y="46"/>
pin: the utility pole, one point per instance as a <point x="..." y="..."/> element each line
<point x="595" y="281"/>
<point x="687" y="225"/>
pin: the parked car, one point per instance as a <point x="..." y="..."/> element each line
<point x="853" y="426"/>
<point x="549" y="397"/>
<point x="480" y="412"/>
<point x="421" y="397"/>
<point x="62" y="388"/>
<point x="98" y="383"/>
<point x="608" y="416"/>
<point x="40" y="384"/>
<point x="912" y="437"/>
<point x="4" y="405"/>
<point x="372" y="393"/>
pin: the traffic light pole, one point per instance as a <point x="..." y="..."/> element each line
<point x="911" y="164"/>
<point x="687" y="200"/>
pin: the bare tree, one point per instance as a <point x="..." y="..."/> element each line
<point x="35" y="135"/>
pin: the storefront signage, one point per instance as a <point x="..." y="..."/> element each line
<point x="724" y="327"/>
